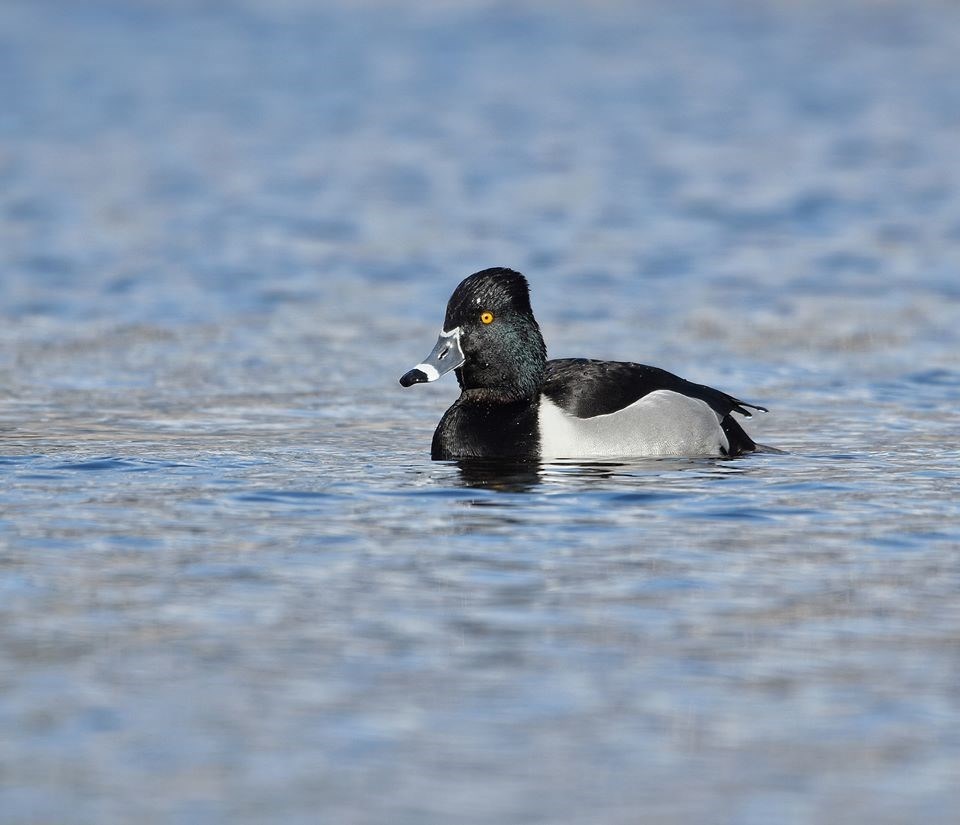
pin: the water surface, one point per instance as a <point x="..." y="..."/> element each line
<point x="233" y="586"/>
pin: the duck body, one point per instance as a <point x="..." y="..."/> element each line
<point x="515" y="403"/>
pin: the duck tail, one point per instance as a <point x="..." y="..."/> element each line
<point x="741" y="407"/>
<point x="738" y="442"/>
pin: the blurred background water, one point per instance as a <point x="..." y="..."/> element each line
<point x="233" y="587"/>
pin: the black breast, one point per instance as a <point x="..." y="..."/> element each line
<point x="477" y="426"/>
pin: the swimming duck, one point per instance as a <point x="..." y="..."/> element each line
<point x="515" y="403"/>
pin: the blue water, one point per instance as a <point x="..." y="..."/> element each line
<point x="233" y="586"/>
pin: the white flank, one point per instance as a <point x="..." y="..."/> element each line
<point x="662" y="423"/>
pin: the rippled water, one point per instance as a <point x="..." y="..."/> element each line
<point x="233" y="587"/>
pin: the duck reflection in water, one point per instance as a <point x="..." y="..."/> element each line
<point x="503" y="475"/>
<point x="518" y="476"/>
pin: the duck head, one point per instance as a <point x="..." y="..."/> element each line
<point x="489" y="337"/>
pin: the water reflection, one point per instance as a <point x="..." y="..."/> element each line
<point x="505" y="476"/>
<point x="517" y="476"/>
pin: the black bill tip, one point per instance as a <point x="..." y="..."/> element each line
<point x="408" y="379"/>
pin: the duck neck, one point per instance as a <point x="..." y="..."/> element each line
<point x="513" y="370"/>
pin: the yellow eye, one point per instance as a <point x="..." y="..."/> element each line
<point x="486" y="317"/>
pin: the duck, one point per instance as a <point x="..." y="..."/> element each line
<point x="516" y="404"/>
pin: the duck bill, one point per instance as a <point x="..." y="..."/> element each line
<point x="445" y="357"/>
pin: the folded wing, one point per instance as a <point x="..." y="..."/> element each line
<point x="585" y="388"/>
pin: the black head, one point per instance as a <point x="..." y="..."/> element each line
<point x="499" y="341"/>
<point x="499" y="336"/>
